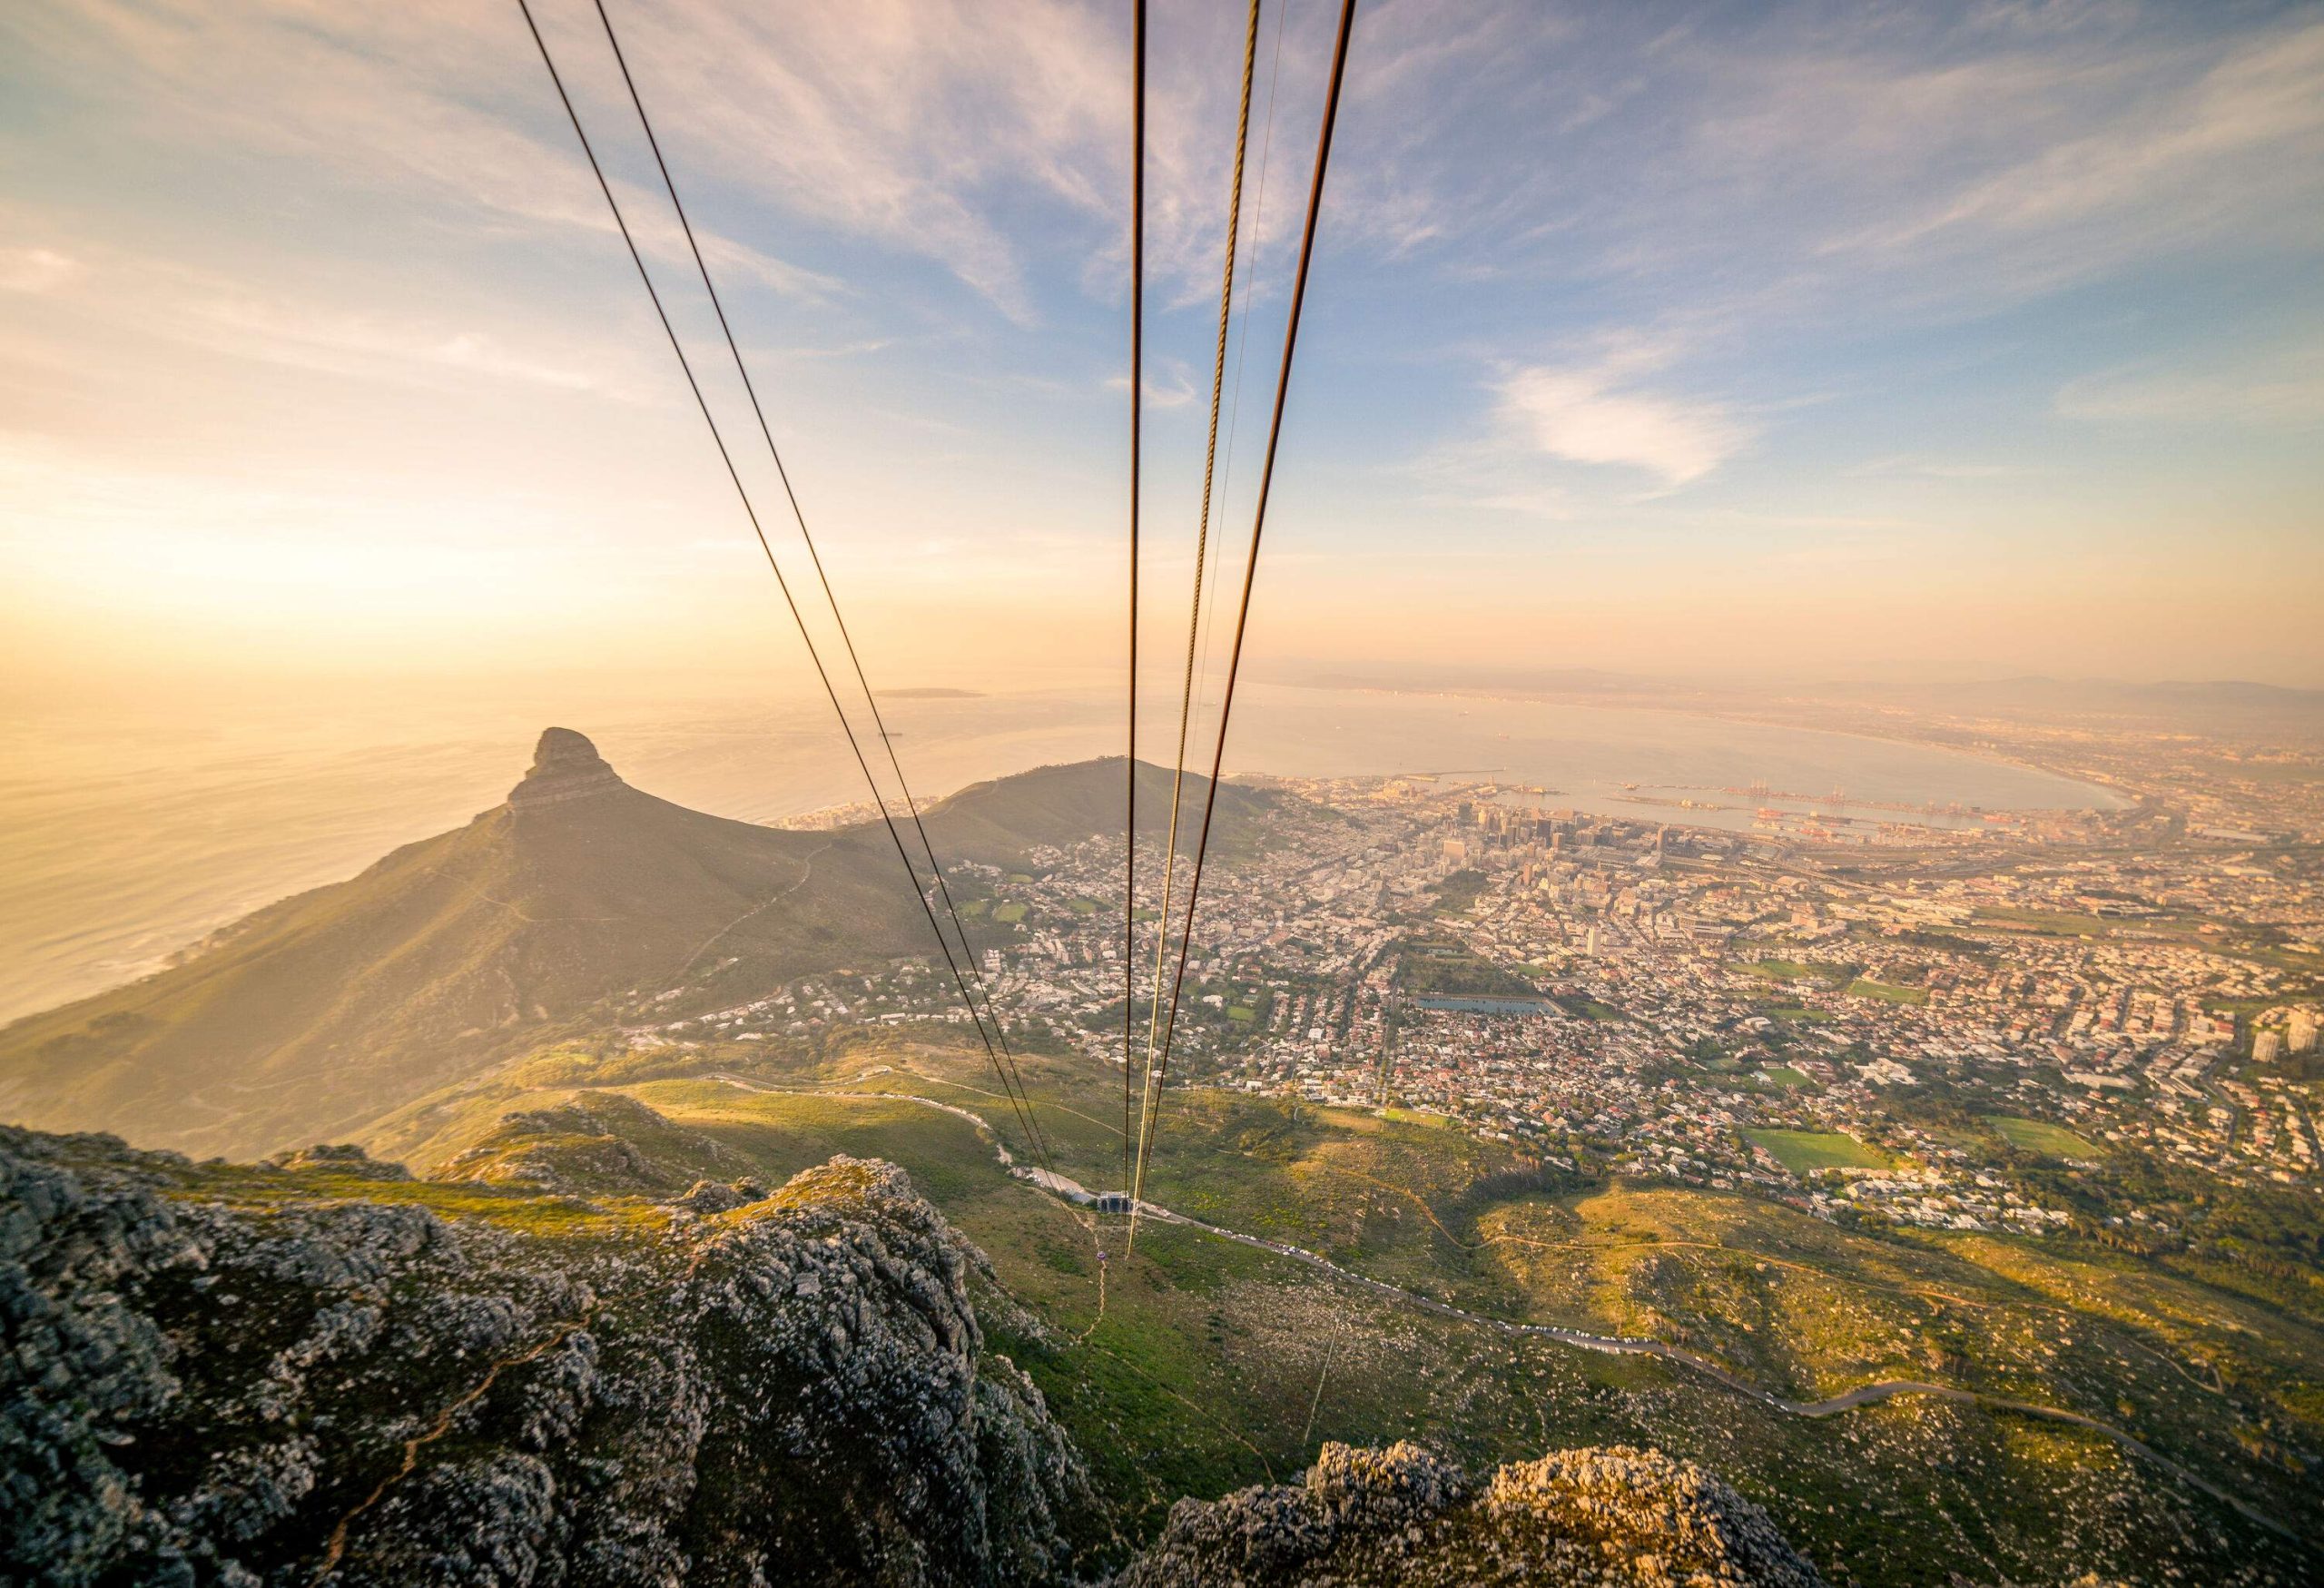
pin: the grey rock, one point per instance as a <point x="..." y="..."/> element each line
<point x="344" y="1158"/>
<point x="399" y="1398"/>
<point x="1616" y="1517"/>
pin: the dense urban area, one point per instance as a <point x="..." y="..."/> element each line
<point x="1939" y="1018"/>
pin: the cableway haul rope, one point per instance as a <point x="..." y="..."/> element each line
<point x="1243" y="344"/>
<point x="750" y="511"/>
<point x="1202" y="547"/>
<point x="847" y="639"/>
<point x="1137" y="428"/>
<point x="1250" y="571"/>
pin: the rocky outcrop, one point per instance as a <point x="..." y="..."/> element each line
<point x="594" y="1143"/>
<point x="566" y="766"/>
<point x="216" y="1376"/>
<point x="343" y="1158"/>
<point x="710" y="1196"/>
<point x="1611" y="1518"/>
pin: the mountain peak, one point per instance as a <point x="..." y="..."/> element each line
<point x="566" y="766"/>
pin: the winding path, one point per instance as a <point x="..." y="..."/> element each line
<point x="1579" y="1339"/>
<point x="1646" y="1346"/>
<point x="806" y="869"/>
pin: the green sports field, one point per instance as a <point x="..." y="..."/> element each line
<point x="1803" y="1150"/>
<point x="2038" y="1136"/>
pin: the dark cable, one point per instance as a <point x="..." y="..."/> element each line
<point x="719" y="441"/>
<point x="1250" y="571"/>
<point x="1137" y="415"/>
<point x="1243" y="344"/>
<point x="1202" y="543"/>
<point x="878" y="722"/>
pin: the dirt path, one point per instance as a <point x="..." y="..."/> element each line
<point x="806" y="869"/>
<point x="1643" y="1346"/>
<point x="1613" y="1345"/>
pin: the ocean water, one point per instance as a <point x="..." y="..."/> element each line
<point x="123" y="841"/>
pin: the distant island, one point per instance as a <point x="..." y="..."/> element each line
<point x="933" y="693"/>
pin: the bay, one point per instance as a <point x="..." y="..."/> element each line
<point x="123" y="840"/>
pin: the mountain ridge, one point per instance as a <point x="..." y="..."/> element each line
<point x="328" y="1009"/>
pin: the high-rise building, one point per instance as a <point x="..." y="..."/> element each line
<point x="2301" y="1037"/>
<point x="2267" y="1047"/>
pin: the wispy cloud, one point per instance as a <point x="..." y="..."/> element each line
<point x="862" y="347"/>
<point x="2154" y="172"/>
<point x="1806" y="198"/>
<point x="2278" y="387"/>
<point x="419" y="96"/>
<point x="35" y="269"/>
<point x="1592" y="415"/>
<point x="902" y="121"/>
<point x="1787" y="161"/>
<point x="1169" y="387"/>
<point x="1944" y="469"/>
<point x="346" y="343"/>
<point x="253" y="319"/>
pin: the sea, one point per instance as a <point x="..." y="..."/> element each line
<point x="123" y="841"/>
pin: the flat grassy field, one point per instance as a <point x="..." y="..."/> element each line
<point x="2040" y="1136"/>
<point x="1804" y="1151"/>
<point x="1887" y="993"/>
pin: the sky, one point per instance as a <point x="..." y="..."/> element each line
<point x="1775" y="339"/>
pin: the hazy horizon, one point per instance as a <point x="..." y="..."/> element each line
<point x="1799" y="341"/>
<point x="121" y="849"/>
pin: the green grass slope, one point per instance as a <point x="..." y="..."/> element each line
<point x="1204" y="1365"/>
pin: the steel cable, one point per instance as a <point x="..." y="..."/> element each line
<point x="718" y="440"/>
<point x="1250" y="572"/>
<point x="847" y="639"/>
<point x="1202" y="543"/>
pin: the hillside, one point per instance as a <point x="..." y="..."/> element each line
<point x="579" y="899"/>
<point x="1000" y="822"/>
<point x="1220" y="1357"/>
<point x="324" y="1010"/>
